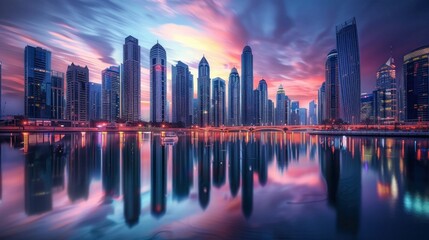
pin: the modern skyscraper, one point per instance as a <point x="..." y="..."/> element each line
<point x="280" y="106"/>
<point x="204" y="93"/>
<point x="182" y="94"/>
<point x="263" y="102"/>
<point x="312" y="115"/>
<point x="94" y="101"/>
<point x="387" y="98"/>
<point x="256" y="107"/>
<point x="77" y="94"/>
<point x="367" y="107"/>
<point x="1" y="103"/>
<point x="57" y="95"/>
<point x="37" y="89"/>
<point x="158" y="84"/>
<point x="219" y="102"/>
<point x="110" y="93"/>
<point x="131" y="90"/>
<point x="270" y="118"/>
<point x="416" y="84"/>
<point x="247" y="115"/>
<point x="234" y="98"/>
<point x="321" y="100"/>
<point x="349" y="71"/>
<point x="295" y="115"/>
<point x="302" y="116"/>
<point x="331" y="86"/>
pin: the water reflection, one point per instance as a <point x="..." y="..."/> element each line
<point x="277" y="176"/>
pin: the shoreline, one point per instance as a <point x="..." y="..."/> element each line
<point x="366" y="133"/>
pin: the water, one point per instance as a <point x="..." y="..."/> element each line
<point x="212" y="186"/>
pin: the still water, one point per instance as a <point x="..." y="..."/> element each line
<point x="212" y="186"/>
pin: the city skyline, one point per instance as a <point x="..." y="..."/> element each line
<point x="298" y="64"/>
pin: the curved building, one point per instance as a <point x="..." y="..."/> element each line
<point x="247" y="106"/>
<point x="203" y="93"/>
<point x="416" y="84"/>
<point x="158" y="84"/>
<point x="234" y="98"/>
<point x="331" y="85"/>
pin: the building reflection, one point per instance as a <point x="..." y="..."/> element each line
<point x="78" y="168"/>
<point x="59" y="163"/>
<point x="158" y="177"/>
<point x="182" y="168"/>
<point x="282" y="151"/>
<point x="234" y="163"/>
<point x="204" y="149"/>
<point x="248" y="159"/>
<point x="262" y="159"/>
<point x="94" y="155"/>
<point x="219" y="163"/>
<point x="111" y="165"/>
<point x="330" y="166"/>
<point x="38" y="174"/>
<point x="131" y="179"/>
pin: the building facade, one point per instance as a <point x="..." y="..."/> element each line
<point x="312" y="113"/>
<point x="77" y="93"/>
<point x="349" y="71"/>
<point x="131" y="80"/>
<point x="295" y="114"/>
<point x="247" y="105"/>
<point x="182" y="95"/>
<point x="57" y="95"/>
<point x="111" y="93"/>
<point x="302" y="116"/>
<point x="158" y="84"/>
<point x="271" y="111"/>
<point x="204" y="93"/>
<point x="367" y="108"/>
<point x="332" y="86"/>
<point x="257" y="106"/>
<point x="263" y="102"/>
<point x="95" y="101"/>
<point x="234" y="98"/>
<point x="321" y="100"/>
<point x="387" y="93"/>
<point x="280" y="115"/>
<point x="219" y="102"/>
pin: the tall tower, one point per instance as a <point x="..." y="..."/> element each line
<point x="321" y="100"/>
<point x="77" y="93"/>
<point x="263" y="102"/>
<point x="386" y="93"/>
<point x="158" y="84"/>
<point x="131" y="78"/>
<point x="219" y="98"/>
<point x="182" y="94"/>
<point x="94" y="99"/>
<point x="349" y="71"/>
<point x="204" y="93"/>
<point x="280" y="116"/>
<point x="57" y="95"/>
<point x="331" y="84"/>
<point x="1" y="104"/>
<point x="110" y="93"/>
<point x="234" y="98"/>
<point x="247" y="106"/>
<point x="37" y="102"/>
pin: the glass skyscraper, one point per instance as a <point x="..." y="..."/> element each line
<point x="247" y="105"/>
<point x="331" y="100"/>
<point x="349" y="71"/>
<point x="219" y="102"/>
<point x="386" y="93"/>
<point x="77" y="94"/>
<point x="263" y="102"/>
<point x="416" y="84"/>
<point x="57" y="95"/>
<point x="182" y="95"/>
<point x="158" y="84"/>
<point x="37" y="89"/>
<point x="95" y="101"/>
<point x="203" y="93"/>
<point x="280" y="114"/>
<point x="234" y="98"/>
<point x="312" y="115"/>
<point x="131" y="80"/>
<point x="110" y="93"/>
<point x="271" y="112"/>
<point x="321" y="110"/>
<point x="295" y="114"/>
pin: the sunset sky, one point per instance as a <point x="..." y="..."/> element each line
<point x="289" y="39"/>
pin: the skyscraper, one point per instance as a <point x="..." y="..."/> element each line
<point x="349" y="71"/>
<point x="321" y="100"/>
<point x="270" y="119"/>
<point x="302" y="112"/>
<point x="110" y="93"/>
<point x="312" y="115"/>
<point x="331" y="86"/>
<point x="57" y="95"/>
<point x="182" y="94"/>
<point x="295" y="114"/>
<point x="37" y="102"/>
<point x="94" y="101"/>
<point x="256" y="107"/>
<point x="247" y="115"/>
<point x="77" y="94"/>
<point x="387" y="99"/>
<point x="131" y="90"/>
<point x="280" y="106"/>
<point x="367" y="107"/>
<point x="203" y="93"/>
<point x="219" y="104"/>
<point x="158" y="84"/>
<point x="416" y="84"/>
<point x="1" y="104"/>
<point x="234" y="98"/>
<point x="263" y="102"/>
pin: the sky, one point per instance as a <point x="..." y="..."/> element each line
<point x="289" y="39"/>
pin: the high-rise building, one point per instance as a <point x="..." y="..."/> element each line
<point x="349" y="71"/>
<point x="219" y="102"/>
<point x="263" y="102"/>
<point x="280" y="115"/>
<point x="1" y="103"/>
<point x="387" y="97"/>
<point x="158" y="84"/>
<point x="247" y="105"/>
<point x="77" y="94"/>
<point x="295" y="115"/>
<point x="367" y="108"/>
<point x="131" y="80"/>
<point x="416" y="85"/>
<point x="302" y="116"/>
<point x="312" y="115"/>
<point x="256" y="107"/>
<point x="204" y="93"/>
<point x="321" y="100"/>
<point x="182" y="94"/>
<point x="270" y="118"/>
<point x="331" y="86"/>
<point x="234" y="98"/>
<point x="37" y="89"/>
<point x="287" y="110"/>
<point x="57" y="95"/>
<point x="95" y="101"/>
<point x="111" y="93"/>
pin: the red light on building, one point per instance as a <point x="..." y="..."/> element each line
<point x="158" y="68"/>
